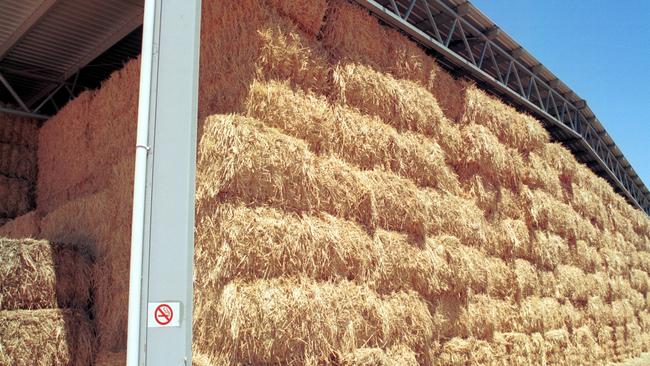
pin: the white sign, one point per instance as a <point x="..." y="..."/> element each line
<point x="164" y="314"/>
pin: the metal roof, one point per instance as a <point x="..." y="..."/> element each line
<point x="44" y="44"/>
<point x="50" y="50"/>
<point x="467" y="41"/>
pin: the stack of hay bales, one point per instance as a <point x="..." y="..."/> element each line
<point x="18" y="168"/>
<point x="44" y="304"/>
<point x="357" y="205"/>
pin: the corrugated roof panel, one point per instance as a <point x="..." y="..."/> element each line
<point x="70" y="31"/>
<point x="13" y="14"/>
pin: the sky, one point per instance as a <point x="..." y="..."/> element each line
<point x="601" y="50"/>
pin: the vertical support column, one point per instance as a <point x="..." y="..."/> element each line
<point x="160" y="293"/>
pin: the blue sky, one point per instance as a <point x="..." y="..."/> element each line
<point x="599" y="48"/>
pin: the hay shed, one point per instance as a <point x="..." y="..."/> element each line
<point x="344" y="182"/>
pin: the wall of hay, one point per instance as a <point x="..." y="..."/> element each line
<point x="18" y="165"/>
<point x="355" y="205"/>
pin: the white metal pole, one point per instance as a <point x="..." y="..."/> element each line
<point x="160" y="288"/>
<point x="139" y="186"/>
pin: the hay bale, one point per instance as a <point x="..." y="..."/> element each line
<point x="398" y="355"/>
<point x="598" y="313"/>
<point x="586" y="257"/>
<point x="518" y="349"/>
<point x="615" y="241"/>
<point x="24" y="226"/>
<point x="38" y="274"/>
<point x="514" y="238"/>
<point x="640" y="222"/>
<point x="84" y="222"/>
<point x="640" y="260"/>
<point x="287" y="54"/>
<point x="470" y="351"/>
<point x="620" y="343"/>
<point x="199" y="359"/>
<point x="296" y="180"/>
<point x="483" y="154"/>
<point x="232" y="45"/>
<point x="633" y="337"/>
<point x="622" y="312"/>
<point x="107" y="358"/>
<point x="17" y="130"/>
<point x="15" y="197"/>
<point x="352" y="35"/>
<point x="558" y="346"/>
<point x="620" y="289"/>
<point x="606" y="341"/>
<point x="540" y="175"/>
<point x="587" y="351"/>
<point x="358" y="139"/>
<point x="562" y="161"/>
<point x="498" y="202"/>
<point x="644" y="321"/>
<point x="240" y="157"/>
<point x="301" y="321"/>
<point x="101" y="223"/>
<point x="104" y="133"/>
<point x="466" y="268"/>
<point x="527" y="281"/>
<point x="543" y="314"/>
<point x="111" y="270"/>
<point x="401" y="265"/>
<point x="18" y="162"/>
<point x="485" y="315"/>
<point x="514" y="129"/>
<point x="265" y="243"/>
<point x="616" y="262"/>
<point x="639" y="280"/>
<point x="620" y="225"/>
<point x="589" y="205"/>
<point x="45" y="337"/>
<point x="484" y="192"/>
<point x="404" y="104"/>
<point x="548" y="284"/>
<point x="449" y="93"/>
<point x="267" y="47"/>
<point x="307" y="14"/>
<point x="459" y="217"/>
<point x="547" y="250"/>
<point x="550" y="214"/>
<point x="575" y="285"/>
<point x="63" y="165"/>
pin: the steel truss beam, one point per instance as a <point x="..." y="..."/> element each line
<point x="25" y="111"/>
<point x="505" y="72"/>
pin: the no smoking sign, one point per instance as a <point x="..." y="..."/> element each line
<point x="163" y="314"/>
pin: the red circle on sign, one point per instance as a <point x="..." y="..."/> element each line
<point x="163" y="314"/>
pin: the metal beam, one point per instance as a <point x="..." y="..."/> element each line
<point x="30" y="75"/>
<point x="571" y="119"/>
<point x="22" y="30"/>
<point x="13" y="93"/>
<point x="126" y="28"/>
<point x="492" y="33"/>
<point x="23" y="113"/>
<point x="162" y="245"/>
